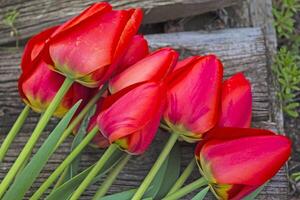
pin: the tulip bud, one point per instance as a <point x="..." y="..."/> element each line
<point x="88" y="47"/>
<point x="235" y="167"/>
<point x="193" y="97"/>
<point x="137" y="50"/>
<point x="154" y="67"/>
<point x="236" y="102"/>
<point x="131" y="117"/>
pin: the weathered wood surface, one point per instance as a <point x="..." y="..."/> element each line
<point x="239" y="49"/>
<point x="39" y="14"/>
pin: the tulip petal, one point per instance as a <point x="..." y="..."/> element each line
<point x="230" y="133"/>
<point x="100" y="7"/>
<point x="187" y="61"/>
<point x="34" y="46"/>
<point x="246" y="161"/>
<point x="236" y="102"/>
<point x="194" y="96"/>
<point x="154" y="67"/>
<point x="137" y="50"/>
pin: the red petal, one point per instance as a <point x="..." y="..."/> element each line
<point x="194" y="96"/>
<point x="137" y="50"/>
<point x="247" y="161"/>
<point x="236" y="102"/>
<point x="96" y="8"/>
<point x="152" y="68"/>
<point x="188" y="61"/>
<point x="229" y="133"/>
<point x="34" y="46"/>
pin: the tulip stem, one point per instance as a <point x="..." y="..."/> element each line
<point x="64" y="164"/>
<point x="98" y="166"/>
<point x="13" y="132"/>
<point x="111" y="177"/>
<point x="26" y="151"/>
<point x="184" y="176"/>
<point x="155" y="168"/>
<point x="187" y="189"/>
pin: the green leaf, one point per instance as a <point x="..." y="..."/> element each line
<point x="27" y="176"/>
<point x="172" y="172"/>
<point x="126" y="195"/>
<point x="64" y="191"/>
<point x="153" y="189"/>
<point x="255" y="193"/>
<point x="201" y="194"/>
<point x="74" y="166"/>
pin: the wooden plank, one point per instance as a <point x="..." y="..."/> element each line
<point x="240" y="49"/>
<point x="36" y="15"/>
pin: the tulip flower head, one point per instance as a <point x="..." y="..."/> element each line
<point x="236" y="102"/>
<point x="88" y="47"/>
<point x="238" y="164"/>
<point x="193" y="97"/>
<point x="131" y="117"/>
<point x="154" y="67"/>
<point x="38" y="84"/>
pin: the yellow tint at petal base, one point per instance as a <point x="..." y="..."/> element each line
<point x="185" y="135"/>
<point x="86" y="79"/>
<point x="122" y="143"/>
<point x="39" y="106"/>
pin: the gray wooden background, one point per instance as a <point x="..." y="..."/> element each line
<point x="246" y="46"/>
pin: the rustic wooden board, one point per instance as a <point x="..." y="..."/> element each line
<point x="36" y="15"/>
<point x="240" y="50"/>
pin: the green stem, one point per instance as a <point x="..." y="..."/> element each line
<point x="111" y="178"/>
<point x="26" y="151"/>
<point x="162" y="157"/>
<point x="64" y="164"/>
<point x="98" y="166"/>
<point x="61" y="179"/>
<point x="184" y="176"/>
<point x="13" y="132"/>
<point x="187" y="189"/>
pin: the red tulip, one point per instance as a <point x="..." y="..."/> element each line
<point x="236" y="102"/>
<point x="131" y="117"/>
<point x="88" y="47"/>
<point x="154" y="67"/>
<point x="193" y="97"/>
<point x="238" y="164"/>
<point x="38" y="85"/>
<point x="137" y="50"/>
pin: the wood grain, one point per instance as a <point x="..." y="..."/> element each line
<point x="239" y="49"/>
<point x="36" y="15"/>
